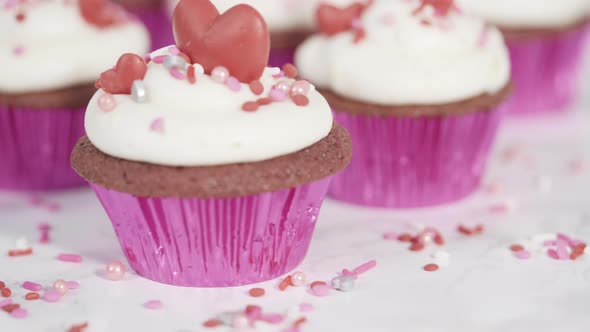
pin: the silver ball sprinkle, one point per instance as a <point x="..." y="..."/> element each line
<point x="138" y="91"/>
<point x="343" y="283"/>
<point x="174" y="61"/>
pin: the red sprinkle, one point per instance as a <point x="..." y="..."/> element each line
<point x="2" y="285"/>
<point x="430" y="267"/>
<point x="10" y="307"/>
<point x="250" y="106"/>
<point x="212" y="323"/>
<point x="439" y="239"/>
<point x="290" y="70"/>
<point x="359" y="35"/>
<point x="285" y="283"/>
<point x="478" y="229"/>
<point x="256" y="87"/>
<point x="17" y="253"/>
<point x="516" y="247"/>
<point x="190" y="75"/>
<point x="78" y="327"/>
<point x="264" y="101"/>
<point x="405" y="237"/>
<point x="257" y="292"/>
<point x="20" y="17"/>
<point x="417" y="246"/>
<point x="6" y="292"/>
<point x="300" y="100"/>
<point x="32" y="296"/>
<point x="577" y="251"/>
<point x="299" y="322"/>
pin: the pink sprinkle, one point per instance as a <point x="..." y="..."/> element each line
<point x="522" y="254"/>
<point x="73" y="284"/>
<point x="277" y="95"/>
<point x="305" y="307"/>
<point x="153" y="305"/>
<point x="552" y="253"/>
<point x="254" y="313"/>
<point x="176" y="73"/>
<point x="147" y="57"/>
<point x="390" y="236"/>
<point x="19" y="313"/>
<point x="348" y="273"/>
<point x="159" y="59"/>
<point x="233" y="84"/>
<point x="484" y="37"/>
<point x="72" y="258"/>
<point x="365" y="267"/>
<point x="281" y="74"/>
<point x="53" y="207"/>
<point x="18" y="50"/>
<point x="34" y="287"/>
<point x="272" y="318"/>
<point x="562" y="250"/>
<point x="173" y="50"/>
<point x="52" y="296"/>
<point x="157" y="125"/>
<point x="356" y="24"/>
<point x="564" y="238"/>
<point x="320" y="290"/>
<point x="5" y="302"/>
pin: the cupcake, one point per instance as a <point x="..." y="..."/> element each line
<point x="289" y="22"/>
<point x="211" y="167"/>
<point x="47" y="79"/>
<point x="154" y="16"/>
<point x="419" y="87"/>
<point x="546" y="40"/>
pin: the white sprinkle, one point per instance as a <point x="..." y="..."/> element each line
<point x="199" y="69"/>
<point x="138" y="91"/>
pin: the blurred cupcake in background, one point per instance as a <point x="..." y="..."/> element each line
<point x="289" y="21"/>
<point x="546" y="39"/>
<point x="211" y="167"/>
<point x="51" y="52"/>
<point x="419" y="86"/>
<point x="154" y="16"/>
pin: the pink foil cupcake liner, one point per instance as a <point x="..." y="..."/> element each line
<point x="281" y="56"/>
<point x="158" y="24"/>
<point x="35" y="146"/>
<point x="215" y="242"/>
<point x="412" y="162"/>
<point x="546" y="72"/>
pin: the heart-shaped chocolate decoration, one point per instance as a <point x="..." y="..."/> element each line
<point x="119" y="80"/>
<point x="237" y="40"/>
<point x="101" y="13"/>
<point x="333" y="20"/>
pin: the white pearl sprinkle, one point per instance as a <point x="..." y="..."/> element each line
<point x="138" y="91"/>
<point x="174" y="61"/>
<point x="199" y="69"/>
<point x="343" y="283"/>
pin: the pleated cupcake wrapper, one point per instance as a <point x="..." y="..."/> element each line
<point x="546" y="72"/>
<point x="35" y="146"/>
<point x="215" y="242"/>
<point x="159" y="26"/>
<point x="412" y="162"/>
<point x="281" y="56"/>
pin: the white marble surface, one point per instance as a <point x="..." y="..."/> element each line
<point x="483" y="289"/>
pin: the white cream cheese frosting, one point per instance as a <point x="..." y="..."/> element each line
<point x="529" y="13"/>
<point x="201" y="124"/>
<point x="408" y="59"/>
<point x="54" y="47"/>
<point x="280" y="15"/>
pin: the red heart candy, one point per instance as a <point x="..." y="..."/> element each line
<point x="101" y="13"/>
<point x="119" y="80"/>
<point x="333" y="20"/>
<point x="237" y="40"/>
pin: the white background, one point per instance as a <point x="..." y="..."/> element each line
<point x="483" y="289"/>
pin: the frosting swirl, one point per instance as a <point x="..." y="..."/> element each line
<point x="529" y="13"/>
<point x="396" y="55"/>
<point x="177" y="120"/>
<point x="39" y="54"/>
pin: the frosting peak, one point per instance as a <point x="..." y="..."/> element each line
<point x="401" y="52"/>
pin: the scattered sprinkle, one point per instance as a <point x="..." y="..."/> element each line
<point x="153" y="305"/>
<point x="285" y="283"/>
<point x="52" y="296"/>
<point x="290" y="70"/>
<point x="177" y="74"/>
<point x="6" y="292"/>
<point x="190" y="75"/>
<point x="320" y="290"/>
<point x="34" y="287"/>
<point x="516" y="247"/>
<point x="300" y="100"/>
<point x="256" y="87"/>
<point x="19" y="313"/>
<point x="343" y="283"/>
<point x="212" y="323"/>
<point x="73" y="284"/>
<point x="430" y="267"/>
<point x="18" y="253"/>
<point x="257" y="292"/>
<point x="31" y="296"/>
<point x="233" y="84"/>
<point x="106" y="102"/>
<point x="78" y="327"/>
<point x="297" y="279"/>
<point x="18" y="50"/>
<point x="71" y="258"/>
<point x="9" y="308"/>
<point x="478" y="229"/>
<point x="157" y="125"/>
<point x="250" y="106"/>
<point x="522" y="254"/>
<point x="138" y="91"/>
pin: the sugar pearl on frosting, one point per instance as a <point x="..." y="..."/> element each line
<point x="106" y="102"/>
<point x="61" y="286"/>
<point x="115" y="271"/>
<point x="277" y="95"/>
<point x="298" y="279"/>
<point x="233" y="84"/>
<point x="283" y="86"/>
<point x="220" y="74"/>
<point x="300" y="88"/>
